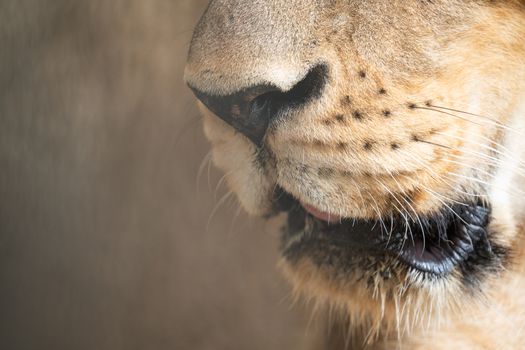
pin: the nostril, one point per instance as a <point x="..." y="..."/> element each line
<point x="251" y="110"/>
<point x="247" y="111"/>
<point x="309" y="88"/>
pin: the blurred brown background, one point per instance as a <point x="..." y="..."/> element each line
<point x="103" y="224"/>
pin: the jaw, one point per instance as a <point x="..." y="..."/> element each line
<point x="373" y="285"/>
<point x="376" y="285"/>
<point x="380" y="292"/>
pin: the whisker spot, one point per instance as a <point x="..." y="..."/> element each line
<point x="342" y="145"/>
<point x="347" y="100"/>
<point x="319" y="143"/>
<point x="340" y="118"/>
<point x="415" y="138"/>
<point x="368" y="145"/>
<point x="358" y="115"/>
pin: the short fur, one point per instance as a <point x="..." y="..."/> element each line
<point x="424" y="107"/>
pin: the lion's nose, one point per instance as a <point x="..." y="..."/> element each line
<point x="251" y="110"/>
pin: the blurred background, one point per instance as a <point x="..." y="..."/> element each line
<point x="107" y="238"/>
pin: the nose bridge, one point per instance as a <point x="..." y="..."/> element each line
<point x="239" y="44"/>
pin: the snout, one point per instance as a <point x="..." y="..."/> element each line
<point x="250" y="61"/>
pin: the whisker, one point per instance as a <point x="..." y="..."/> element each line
<point x="445" y="204"/>
<point x="504" y="154"/>
<point x="487" y="121"/>
<point x="442" y="179"/>
<point x="514" y="192"/>
<point x="354" y="182"/>
<point x="221" y="182"/>
<point x="209" y="173"/>
<point x="487" y="139"/>
<point x="410" y="205"/>
<point x="216" y="208"/>
<point x="435" y="144"/>
<point x="454" y="187"/>
<point x="234" y="220"/>
<point x="435" y="176"/>
<point x="379" y="215"/>
<point x="469" y="166"/>
<point x="474" y="115"/>
<point x="405" y="214"/>
<point x="497" y="161"/>
<point x="445" y="197"/>
<point x="491" y="162"/>
<point x="507" y="155"/>
<point x="447" y="113"/>
<point x="205" y="161"/>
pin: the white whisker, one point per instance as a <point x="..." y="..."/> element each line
<point x="491" y="121"/>
<point x="216" y="208"/>
<point x="205" y="161"/>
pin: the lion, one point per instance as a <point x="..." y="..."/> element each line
<point x="391" y="134"/>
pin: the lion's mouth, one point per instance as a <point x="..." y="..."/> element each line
<point x="435" y="244"/>
<point x="329" y="218"/>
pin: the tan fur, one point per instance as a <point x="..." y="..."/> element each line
<point x="378" y="142"/>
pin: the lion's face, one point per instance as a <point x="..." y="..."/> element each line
<point x="388" y="130"/>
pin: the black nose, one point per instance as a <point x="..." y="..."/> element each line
<point x="251" y="110"/>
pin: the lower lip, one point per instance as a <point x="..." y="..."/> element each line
<point x="321" y="215"/>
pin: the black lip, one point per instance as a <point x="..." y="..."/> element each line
<point x="435" y="244"/>
<point x="459" y="235"/>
